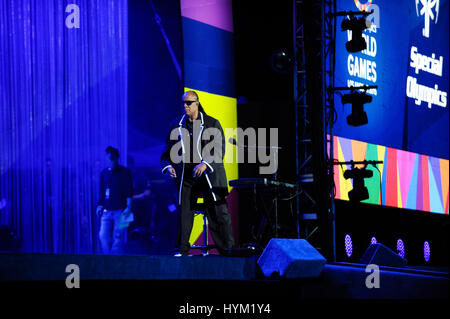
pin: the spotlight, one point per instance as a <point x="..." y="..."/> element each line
<point x="357" y="43"/>
<point x="358" y="116"/>
<point x="359" y="191"/>
<point x="281" y="61"/>
<point x="348" y="245"/>
<point x="426" y="251"/>
<point x="401" y="250"/>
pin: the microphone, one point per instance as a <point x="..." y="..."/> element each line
<point x="233" y="141"/>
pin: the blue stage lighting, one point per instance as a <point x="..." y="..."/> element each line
<point x="426" y="251"/>
<point x="401" y="248"/>
<point x="348" y="245"/>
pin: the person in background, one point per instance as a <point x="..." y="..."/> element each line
<point x="116" y="192"/>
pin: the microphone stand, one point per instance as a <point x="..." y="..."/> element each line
<point x="274" y="176"/>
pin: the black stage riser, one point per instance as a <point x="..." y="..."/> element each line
<point x="338" y="280"/>
<point x="109" y="267"/>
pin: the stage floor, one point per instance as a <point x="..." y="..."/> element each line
<point x="241" y="275"/>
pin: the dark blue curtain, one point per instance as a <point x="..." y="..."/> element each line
<point x="63" y="99"/>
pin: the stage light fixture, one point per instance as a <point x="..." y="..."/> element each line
<point x="359" y="191"/>
<point x="348" y="245"/>
<point x="356" y="26"/>
<point x="282" y="61"/>
<point x="426" y="251"/>
<point x="401" y="250"/>
<point x="358" y="116"/>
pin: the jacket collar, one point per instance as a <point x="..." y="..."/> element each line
<point x="184" y="116"/>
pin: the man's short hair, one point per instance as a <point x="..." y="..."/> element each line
<point x="194" y="93"/>
<point x="111" y="149"/>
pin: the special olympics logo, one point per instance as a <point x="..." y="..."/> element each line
<point x="427" y="12"/>
<point x="363" y="7"/>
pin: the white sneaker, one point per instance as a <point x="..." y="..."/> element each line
<point x="180" y="255"/>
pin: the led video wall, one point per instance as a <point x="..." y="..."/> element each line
<point x="408" y="122"/>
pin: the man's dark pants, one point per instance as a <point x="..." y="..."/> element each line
<point x="219" y="219"/>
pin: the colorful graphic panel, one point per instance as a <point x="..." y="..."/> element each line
<point x="209" y="70"/>
<point x="404" y="180"/>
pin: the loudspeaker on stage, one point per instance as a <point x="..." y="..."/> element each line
<point x="291" y="258"/>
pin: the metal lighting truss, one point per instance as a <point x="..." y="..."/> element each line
<point x="315" y="205"/>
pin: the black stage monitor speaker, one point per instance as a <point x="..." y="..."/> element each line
<point x="291" y="258"/>
<point x="380" y="255"/>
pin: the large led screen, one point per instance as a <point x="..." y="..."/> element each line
<point x="407" y="59"/>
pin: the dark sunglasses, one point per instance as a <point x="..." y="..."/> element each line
<point x="188" y="103"/>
